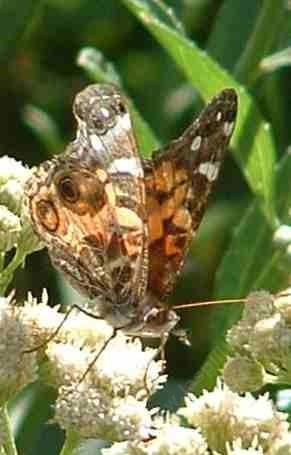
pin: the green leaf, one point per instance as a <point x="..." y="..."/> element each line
<point x="233" y="15"/>
<point x="97" y="66"/>
<point x="207" y="376"/>
<point x="251" y="262"/>
<point x="253" y="143"/>
<point x="15" y="17"/>
<point x="261" y="40"/>
<point x="44" y="128"/>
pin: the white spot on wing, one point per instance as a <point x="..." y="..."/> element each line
<point x="218" y="116"/>
<point x="96" y="143"/>
<point x="122" y="126"/>
<point x="209" y="170"/>
<point x="126" y="165"/>
<point x="125" y="122"/>
<point x="196" y="143"/>
<point x="227" y="128"/>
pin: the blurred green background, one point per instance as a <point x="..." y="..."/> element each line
<point x="39" y="75"/>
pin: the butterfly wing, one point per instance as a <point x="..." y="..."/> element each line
<point x="179" y="180"/>
<point x="88" y="205"/>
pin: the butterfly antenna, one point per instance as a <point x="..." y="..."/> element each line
<point x="208" y="303"/>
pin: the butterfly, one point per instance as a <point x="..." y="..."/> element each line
<point x="119" y="226"/>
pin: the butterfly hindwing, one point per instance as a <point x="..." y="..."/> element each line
<point x="179" y="180"/>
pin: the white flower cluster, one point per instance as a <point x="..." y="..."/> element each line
<point x="16" y="370"/>
<point x="261" y="343"/>
<point x="225" y="417"/>
<point x="103" y="392"/>
<point x="220" y="422"/>
<point x="14" y="227"/>
<point x="103" y="381"/>
<point x="170" y="439"/>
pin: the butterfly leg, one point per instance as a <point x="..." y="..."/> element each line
<point x="97" y="356"/>
<point x="53" y="335"/>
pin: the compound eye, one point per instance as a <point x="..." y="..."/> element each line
<point x="68" y="189"/>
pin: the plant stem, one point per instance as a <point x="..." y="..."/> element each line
<point x="71" y="443"/>
<point x="8" y="443"/>
<point x="7" y="274"/>
<point x="260" y="42"/>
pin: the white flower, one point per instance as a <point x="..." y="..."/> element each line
<point x="103" y="381"/>
<point x="92" y="413"/>
<point x="67" y="363"/>
<point x="11" y="169"/>
<point x="237" y="448"/>
<point x="168" y="440"/>
<point x="85" y="330"/>
<point x="124" y="365"/>
<point x="223" y="416"/>
<point x="282" y="446"/>
<point x="13" y="177"/>
<point x="119" y="365"/>
<point x="15" y="225"/>
<point x="10" y="229"/>
<point x="105" y="390"/>
<point x="16" y="368"/>
<point x="44" y="322"/>
<point x="175" y="439"/>
<point x="11" y="195"/>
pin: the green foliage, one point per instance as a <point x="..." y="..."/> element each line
<point x="167" y="66"/>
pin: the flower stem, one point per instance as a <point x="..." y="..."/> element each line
<point x="71" y="443"/>
<point x="260" y="42"/>
<point x="8" y="443"/>
<point x="7" y="274"/>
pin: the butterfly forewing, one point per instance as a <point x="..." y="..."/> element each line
<point x="179" y="180"/>
<point x="96" y="191"/>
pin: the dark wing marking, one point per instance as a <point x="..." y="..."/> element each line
<point x="179" y="180"/>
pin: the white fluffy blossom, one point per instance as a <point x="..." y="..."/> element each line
<point x="12" y="169"/>
<point x="170" y="439"/>
<point x="16" y="368"/>
<point x="13" y="176"/>
<point x="103" y="382"/>
<point x="93" y="413"/>
<point x="105" y="391"/>
<point x="10" y="228"/>
<point x="224" y="416"/>
<point x="15" y="227"/>
<point x="237" y="448"/>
